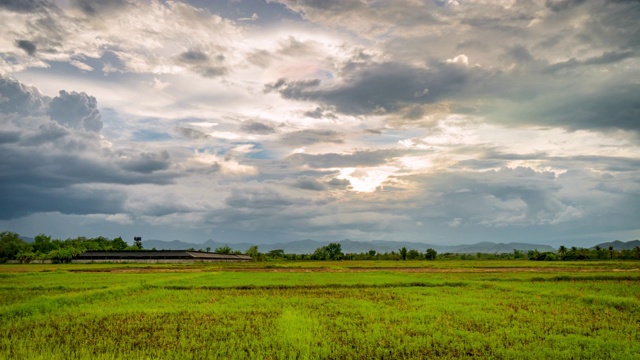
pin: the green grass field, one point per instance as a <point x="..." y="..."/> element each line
<point x="314" y="310"/>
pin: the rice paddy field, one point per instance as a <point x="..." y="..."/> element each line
<point x="322" y="310"/>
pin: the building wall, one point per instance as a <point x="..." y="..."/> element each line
<point x="162" y="261"/>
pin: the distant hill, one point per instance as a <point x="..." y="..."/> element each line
<point x="498" y="248"/>
<point x="620" y="245"/>
<point x="181" y="245"/>
<point x="350" y="246"/>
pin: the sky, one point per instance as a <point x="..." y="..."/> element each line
<point x="440" y="122"/>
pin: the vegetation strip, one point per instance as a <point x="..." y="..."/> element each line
<point x="310" y="287"/>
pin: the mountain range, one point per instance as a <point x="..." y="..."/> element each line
<point x="350" y="246"/>
<point x="620" y="245"/>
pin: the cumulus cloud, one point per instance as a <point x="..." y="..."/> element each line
<point x="16" y="97"/>
<point x="54" y="159"/>
<point x="76" y="110"/>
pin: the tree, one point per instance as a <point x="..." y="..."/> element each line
<point x="431" y="254"/>
<point x="223" y="250"/>
<point x="611" y="252"/>
<point x="42" y="244"/>
<point x="137" y="242"/>
<point x="276" y="253"/>
<point x="254" y="253"/>
<point x="320" y="254"/>
<point x="413" y="254"/>
<point x="562" y="251"/>
<point x="403" y="253"/>
<point x="118" y="244"/>
<point x="334" y="251"/>
<point x="11" y="245"/>
<point x="208" y="249"/>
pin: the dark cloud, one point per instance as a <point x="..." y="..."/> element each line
<point x="145" y="163"/>
<point x="23" y="5"/>
<point x="8" y="137"/>
<point x="94" y="8"/>
<point x="519" y="53"/>
<point x="509" y="197"/>
<point x="254" y="127"/>
<point x="193" y="57"/>
<point x="260" y="198"/>
<point x="27" y="46"/>
<point x="560" y="5"/>
<point x="211" y="71"/>
<point x="293" y="89"/>
<point x="386" y="87"/>
<point x="260" y="58"/>
<point x="26" y="200"/>
<point x="309" y="183"/>
<point x="356" y="159"/>
<point x="19" y="98"/>
<point x="604" y="59"/>
<point x="49" y="178"/>
<point x="611" y="106"/>
<point x="192" y="133"/>
<point x="51" y="163"/>
<point x="320" y="113"/>
<point x="202" y="64"/>
<point x="310" y="137"/>
<point x="610" y="57"/>
<point x="76" y="110"/>
<point x="46" y="133"/>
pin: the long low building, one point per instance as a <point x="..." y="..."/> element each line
<point x="157" y="256"/>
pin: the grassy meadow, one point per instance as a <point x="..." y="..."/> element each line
<point x="314" y="310"/>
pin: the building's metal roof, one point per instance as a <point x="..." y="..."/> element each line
<point x="160" y="254"/>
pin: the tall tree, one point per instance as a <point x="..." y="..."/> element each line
<point x="42" y="244"/>
<point x="334" y="251"/>
<point x="137" y="242"/>
<point x="11" y="245"/>
<point x="403" y="253"/>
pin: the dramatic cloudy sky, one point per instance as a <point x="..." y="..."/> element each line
<point x="436" y="121"/>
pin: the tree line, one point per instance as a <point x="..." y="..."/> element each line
<point x="13" y="247"/>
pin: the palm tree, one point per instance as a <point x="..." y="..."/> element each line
<point x="562" y="250"/>
<point x="611" y="251"/>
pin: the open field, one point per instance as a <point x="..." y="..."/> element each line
<point x="298" y="310"/>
